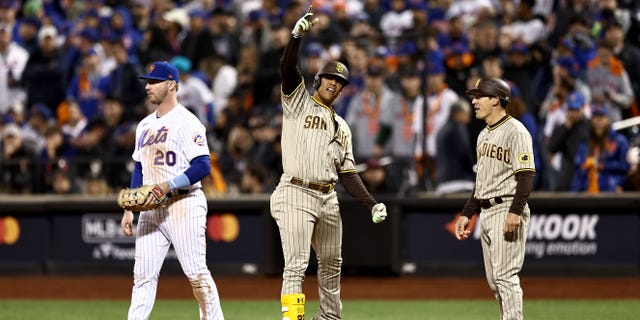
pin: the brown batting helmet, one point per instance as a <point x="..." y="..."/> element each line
<point x="492" y="87"/>
<point x="334" y="68"/>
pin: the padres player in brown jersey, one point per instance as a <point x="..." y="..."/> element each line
<point x="316" y="153"/>
<point x="505" y="172"/>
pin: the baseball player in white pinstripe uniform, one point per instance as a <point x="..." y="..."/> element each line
<point x="171" y="152"/>
<point x="316" y="152"/>
<point x="505" y="172"/>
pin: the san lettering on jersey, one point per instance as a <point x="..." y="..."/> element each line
<point x="494" y="151"/>
<point x="314" y="122"/>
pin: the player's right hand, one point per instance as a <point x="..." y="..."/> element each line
<point x="127" y="223"/>
<point x="303" y="25"/>
<point x="462" y="232"/>
<point x="378" y="213"/>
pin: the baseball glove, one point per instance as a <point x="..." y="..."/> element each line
<point x="144" y="198"/>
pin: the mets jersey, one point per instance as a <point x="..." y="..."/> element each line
<point x="364" y="116"/>
<point x="316" y="142"/>
<point x="165" y="146"/>
<point x="400" y="118"/>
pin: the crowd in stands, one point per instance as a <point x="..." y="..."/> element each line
<point x="70" y="97"/>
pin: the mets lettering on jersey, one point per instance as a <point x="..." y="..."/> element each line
<point x="147" y="139"/>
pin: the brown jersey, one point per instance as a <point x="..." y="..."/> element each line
<point x="503" y="149"/>
<point x="316" y="142"/>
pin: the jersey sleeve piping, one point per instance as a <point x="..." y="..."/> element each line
<point x="525" y="169"/>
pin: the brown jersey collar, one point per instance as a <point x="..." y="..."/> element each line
<point x="499" y="123"/>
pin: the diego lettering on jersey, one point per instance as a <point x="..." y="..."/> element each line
<point x="147" y="138"/>
<point x="314" y="122"/>
<point x="494" y="151"/>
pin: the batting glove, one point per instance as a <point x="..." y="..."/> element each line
<point x="379" y="213"/>
<point x="303" y="25"/>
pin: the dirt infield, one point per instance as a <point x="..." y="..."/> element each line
<point x="415" y="288"/>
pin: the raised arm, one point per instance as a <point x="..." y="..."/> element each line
<point x="291" y="76"/>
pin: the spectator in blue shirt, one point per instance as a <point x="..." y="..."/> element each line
<point x="601" y="164"/>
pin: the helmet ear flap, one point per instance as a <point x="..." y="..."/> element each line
<point x="316" y="82"/>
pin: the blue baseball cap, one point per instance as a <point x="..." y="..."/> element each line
<point x="435" y="55"/>
<point x="567" y="43"/>
<point x="435" y="67"/>
<point x="407" y="48"/>
<point x="33" y="21"/>
<point x="197" y="13"/>
<point x="518" y="47"/>
<point x="314" y="49"/>
<point x="90" y="34"/>
<point x="570" y="64"/>
<point x="109" y="35"/>
<point x="459" y="48"/>
<point x="255" y="15"/>
<point x="575" y="101"/>
<point x="40" y="109"/>
<point x="599" y="110"/>
<point x="93" y="13"/>
<point x="435" y="62"/>
<point x="162" y="71"/>
<point x="419" y="5"/>
<point x="515" y="91"/>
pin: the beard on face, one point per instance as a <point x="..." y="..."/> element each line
<point x="156" y="97"/>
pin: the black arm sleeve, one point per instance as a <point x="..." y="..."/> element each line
<point x="472" y="206"/>
<point x="523" y="189"/>
<point x="353" y="184"/>
<point x="291" y="76"/>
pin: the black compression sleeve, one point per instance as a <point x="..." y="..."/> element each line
<point x="523" y="189"/>
<point x="291" y="76"/>
<point x="354" y="186"/>
<point x="472" y="206"/>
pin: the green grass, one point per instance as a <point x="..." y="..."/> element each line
<point x="352" y="309"/>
